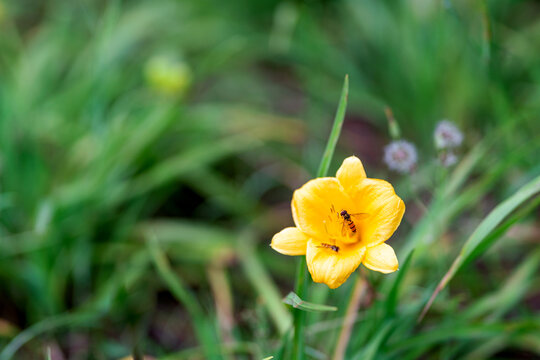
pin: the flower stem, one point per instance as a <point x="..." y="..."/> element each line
<point x="301" y="274"/>
<point x="299" y="315"/>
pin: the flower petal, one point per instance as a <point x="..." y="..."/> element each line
<point x="381" y="258"/>
<point x="290" y="241"/>
<point x="330" y="267"/>
<point x="385" y="210"/>
<point x="351" y="172"/>
<point x="311" y="205"/>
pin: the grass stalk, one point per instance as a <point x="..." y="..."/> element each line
<point x="350" y="317"/>
<point x="219" y="284"/>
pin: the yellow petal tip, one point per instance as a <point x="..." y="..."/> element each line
<point x="290" y="241"/>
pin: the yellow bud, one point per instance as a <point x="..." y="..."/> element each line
<point x="167" y="76"/>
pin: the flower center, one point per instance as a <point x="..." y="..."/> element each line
<point x="341" y="228"/>
<point x="399" y="155"/>
<point x="446" y="135"/>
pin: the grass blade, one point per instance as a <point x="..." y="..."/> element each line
<point x="511" y="293"/>
<point x="336" y="130"/>
<point x="77" y="319"/>
<point x="480" y="236"/>
<point x="392" y="298"/>
<point x="262" y="282"/>
<point x="203" y="327"/>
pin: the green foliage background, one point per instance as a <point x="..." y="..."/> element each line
<point x="137" y="222"/>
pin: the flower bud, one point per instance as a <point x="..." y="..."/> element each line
<point x="393" y="126"/>
<point x="167" y="76"/>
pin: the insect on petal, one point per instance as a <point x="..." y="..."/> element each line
<point x="330" y="267"/>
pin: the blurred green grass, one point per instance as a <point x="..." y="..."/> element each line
<point x="138" y="222"/>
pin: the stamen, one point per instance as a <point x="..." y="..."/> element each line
<point x="325" y="227"/>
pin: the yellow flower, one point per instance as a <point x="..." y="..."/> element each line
<point x="342" y="222"/>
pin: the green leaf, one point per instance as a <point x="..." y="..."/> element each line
<point x="336" y="130"/>
<point x="296" y="302"/>
<point x="391" y="300"/>
<point x="262" y="282"/>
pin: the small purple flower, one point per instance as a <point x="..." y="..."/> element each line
<point x="400" y="156"/>
<point x="448" y="158"/>
<point x="447" y="135"/>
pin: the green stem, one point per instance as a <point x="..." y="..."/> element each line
<point x="299" y="315"/>
<point x="301" y="274"/>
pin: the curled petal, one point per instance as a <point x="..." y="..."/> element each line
<point x="351" y="172"/>
<point x="330" y="267"/>
<point x="312" y="203"/>
<point x="385" y="210"/>
<point x="290" y="241"/>
<point x="381" y="258"/>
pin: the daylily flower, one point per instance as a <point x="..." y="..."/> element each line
<point x="341" y="222"/>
